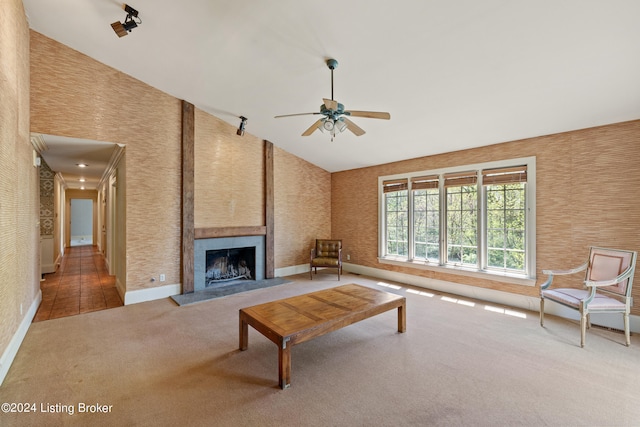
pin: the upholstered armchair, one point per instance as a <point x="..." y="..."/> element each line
<point x="326" y="253"/>
<point x="607" y="288"/>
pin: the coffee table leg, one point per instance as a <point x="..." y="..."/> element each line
<point x="244" y="334"/>
<point x="402" y="318"/>
<point x="284" y="364"/>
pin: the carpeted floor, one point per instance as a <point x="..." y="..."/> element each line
<point x="461" y="362"/>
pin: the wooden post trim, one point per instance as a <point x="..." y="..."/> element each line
<point x="188" y="185"/>
<point x="269" y="210"/>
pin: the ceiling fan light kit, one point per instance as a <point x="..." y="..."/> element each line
<point x="335" y="116"/>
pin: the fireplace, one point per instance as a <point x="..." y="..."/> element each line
<point x="226" y="261"/>
<point x="226" y="265"/>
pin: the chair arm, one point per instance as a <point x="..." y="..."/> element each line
<point x="623" y="276"/>
<point x="561" y="272"/>
<point x="551" y="273"/>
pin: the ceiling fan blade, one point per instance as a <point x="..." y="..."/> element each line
<point x="297" y="114"/>
<point x="312" y="128"/>
<point x="357" y="130"/>
<point x="369" y="114"/>
<point x="330" y="104"/>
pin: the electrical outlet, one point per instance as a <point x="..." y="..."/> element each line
<point x="348" y="257"/>
<point x="20" y="309"/>
<point x="162" y="278"/>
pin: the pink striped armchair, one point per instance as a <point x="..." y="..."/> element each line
<point x="606" y="288"/>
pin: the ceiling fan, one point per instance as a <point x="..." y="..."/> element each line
<point x="336" y="118"/>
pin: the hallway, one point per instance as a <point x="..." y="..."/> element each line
<point x="81" y="284"/>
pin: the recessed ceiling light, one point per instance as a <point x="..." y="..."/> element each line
<point x="82" y="188"/>
<point x="81" y="165"/>
<point x="82" y="180"/>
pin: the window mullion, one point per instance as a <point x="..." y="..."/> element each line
<point x="443" y="222"/>
<point x="410" y="216"/>
<point x="482" y="225"/>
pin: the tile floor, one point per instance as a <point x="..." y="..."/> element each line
<point x="80" y="285"/>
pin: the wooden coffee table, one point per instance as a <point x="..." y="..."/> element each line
<point x="295" y="320"/>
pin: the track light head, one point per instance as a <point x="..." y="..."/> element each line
<point x="242" y="125"/>
<point x="124" y="28"/>
<point x="130" y="11"/>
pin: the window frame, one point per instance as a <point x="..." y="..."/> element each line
<point x="482" y="270"/>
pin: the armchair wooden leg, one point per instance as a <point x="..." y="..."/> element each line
<point x="541" y="311"/>
<point x="583" y="328"/>
<point x="627" y="334"/>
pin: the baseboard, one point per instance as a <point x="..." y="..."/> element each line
<point x="151" y="294"/>
<point x="48" y="268"/>
<point x="506" y="298"/>
<point x="58" y="262"/>
<point x="290" y="271"/>
<point x="14" y="345"/>
<point x="120" y="288"/>
<point x="490" y="295"/>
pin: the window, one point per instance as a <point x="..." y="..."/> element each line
<point x="506" y="218"/>
<point x="475" y="218"/>
<point x="396" y="223"/>
<point x="426" y="217"/>
<point x="462" y="218"/>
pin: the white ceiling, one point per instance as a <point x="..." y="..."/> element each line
<point x="453" y="74"/>
<point x="64" y="155"/>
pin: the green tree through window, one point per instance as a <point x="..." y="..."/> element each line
<point x="426" y="224"/>
<point x="480" y="217"/>
<point x="462" y="224"/>
<point x="397" y="222"/>
<point x="506" y="226"/>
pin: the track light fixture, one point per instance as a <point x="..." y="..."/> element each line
<point x="131" y="21"/>
<point x="243" y="123"/>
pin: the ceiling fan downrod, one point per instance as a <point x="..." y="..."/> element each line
<point x="332" y="64"/>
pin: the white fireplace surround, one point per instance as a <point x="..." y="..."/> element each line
<point x="201" y="246"/>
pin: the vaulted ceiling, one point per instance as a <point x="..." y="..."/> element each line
<point x="452" y="74"/>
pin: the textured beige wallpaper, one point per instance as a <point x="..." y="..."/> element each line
<point x="302" y="208"/>
<point x="19" y="179"/>
<point x="74" y="95"/>
<point x="586" y="195"/>
<point x="229" y="175"/>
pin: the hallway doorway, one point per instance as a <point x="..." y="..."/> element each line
<point x="81" y="222"/>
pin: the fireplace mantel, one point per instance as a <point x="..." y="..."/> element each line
<point x="215" y="232"/>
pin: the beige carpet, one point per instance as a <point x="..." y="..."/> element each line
<point x="157" y="363"/>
